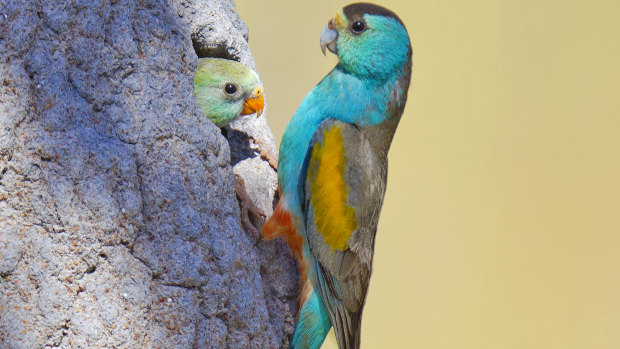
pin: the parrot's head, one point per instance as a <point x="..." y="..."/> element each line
<point x="226" y="89"/>
<point x="369" y="40"/>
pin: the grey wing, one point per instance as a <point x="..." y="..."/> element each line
<point x="341" y="228"/>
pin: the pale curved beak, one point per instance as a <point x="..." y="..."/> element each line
<point x="329" y="36"/>
<point x="254" y="104"/>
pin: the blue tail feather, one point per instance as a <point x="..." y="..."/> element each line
<point x="313" y="324"/>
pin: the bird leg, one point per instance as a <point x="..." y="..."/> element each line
<point x="252" y="217"/>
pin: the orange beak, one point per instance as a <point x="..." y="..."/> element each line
<point x="254" y="104"/>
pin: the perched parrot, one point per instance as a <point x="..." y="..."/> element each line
<point x="226" y="89"/>
<point x="332" y="170"/>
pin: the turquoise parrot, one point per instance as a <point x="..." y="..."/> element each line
<point x="226" y="89"/>
<point x="332" y="170"/>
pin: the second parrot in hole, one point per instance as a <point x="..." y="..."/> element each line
<point x="225" y="89"/>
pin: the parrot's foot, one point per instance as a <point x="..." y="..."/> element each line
<point x="266" y="154"/>
<point x="252" y="217"/>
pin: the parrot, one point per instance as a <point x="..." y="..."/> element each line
<point x="332" y="170"/>
<point x="225" y="89"/>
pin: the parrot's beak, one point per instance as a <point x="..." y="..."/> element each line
<point x="254" y="104"/>
<point x="329" y="36"/>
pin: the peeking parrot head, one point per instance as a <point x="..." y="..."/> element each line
<point x="368" y="39"/>
<point x="226" y="89"/>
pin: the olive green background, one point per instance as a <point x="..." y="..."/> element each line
<point x="501" y="223"/>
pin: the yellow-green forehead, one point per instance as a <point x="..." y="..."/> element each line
<point x="340" y="21"/>
<point x="216" y="71"/>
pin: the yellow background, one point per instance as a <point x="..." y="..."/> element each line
<point x="501" y="223"/>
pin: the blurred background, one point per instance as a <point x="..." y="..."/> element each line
<point x="501" y="222"/>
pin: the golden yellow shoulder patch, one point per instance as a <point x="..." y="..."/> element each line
<point x="334" y="219"/>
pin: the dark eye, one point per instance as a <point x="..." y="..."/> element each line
<point x="230" y="89"/>
<point x="358" y="26"/>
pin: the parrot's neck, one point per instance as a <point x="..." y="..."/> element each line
<point x="366" y="102"/>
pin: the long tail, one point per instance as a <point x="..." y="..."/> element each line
<point x="313" y="324"/>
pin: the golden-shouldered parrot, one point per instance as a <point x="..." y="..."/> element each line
<point x="332" y="170"/>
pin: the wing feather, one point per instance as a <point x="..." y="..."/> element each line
<point x="342" y="193"/>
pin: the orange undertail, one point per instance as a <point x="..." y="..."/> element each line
<point x="280" y="224"/>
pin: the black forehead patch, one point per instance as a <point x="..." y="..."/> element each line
<point x="357" y="10"/>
